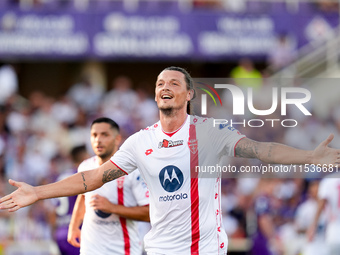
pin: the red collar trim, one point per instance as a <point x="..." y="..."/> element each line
<point x="174" y="132"/>
<point x="170" y="134"/>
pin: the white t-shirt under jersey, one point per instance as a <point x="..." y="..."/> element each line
<point x="185" y="212"/>
<point x="104" y="233"/>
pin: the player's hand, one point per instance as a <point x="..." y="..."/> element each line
<point x="326" y="155"/>
<point x="74" y="237"/>
<point x="101" y="203"/>
<point x="25" y="195"/>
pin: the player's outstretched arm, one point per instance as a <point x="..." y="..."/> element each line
<point x="282" y="154"/>
<point x="76" y="184"/>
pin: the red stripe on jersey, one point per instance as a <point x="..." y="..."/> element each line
<point x="195" y="230"/>
<point x="120" y="189"/>
<point x="118" y="167"/>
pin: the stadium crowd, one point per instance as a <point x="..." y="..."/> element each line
<point x="37" y="134"/>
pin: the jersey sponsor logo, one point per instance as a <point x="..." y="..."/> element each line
<point x="168" y="143"/>
<point x="102" y="214"/>
<point x="120" y="182"/>
<point x="193" y="144"/>
<point x="171" y="178"/>
<point x="173" y="197"/>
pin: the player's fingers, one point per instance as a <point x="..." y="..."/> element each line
<point x="5" y="198"/>
<point x="15" y="208"/>
<point x="328" y="140"/>
<point x="8" y="205"/>
<point x="71" y="239"/>
<point x="76" y="243"/>
<point x="14" y="183"/>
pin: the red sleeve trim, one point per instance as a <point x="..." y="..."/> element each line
<point x="118" y="167"/>
<point x="236" y="145"/>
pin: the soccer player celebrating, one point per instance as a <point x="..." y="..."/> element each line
<point x="184" y="210"/>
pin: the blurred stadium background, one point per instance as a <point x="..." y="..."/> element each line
<point x="65" y="62"/>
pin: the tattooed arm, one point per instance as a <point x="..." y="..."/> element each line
<point x="73" y="185"/>
<point x="282" y="154"/>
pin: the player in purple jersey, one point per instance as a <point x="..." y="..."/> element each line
<point x="64" y="205"/>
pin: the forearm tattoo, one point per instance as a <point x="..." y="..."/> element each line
<point x="247" y="148"/>
<point x="111" y="174"/>
<point x="83" y="175"/>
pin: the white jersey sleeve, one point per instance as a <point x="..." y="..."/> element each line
<point x="223" y="136"/>
<point x="124" y="158"/>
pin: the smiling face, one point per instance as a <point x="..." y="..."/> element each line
<point x="171" y="93"/>
<point x="104" y="140"/>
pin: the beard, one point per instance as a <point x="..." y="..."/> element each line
<point x="170" y="111"/>
<point x="104" y="155"/>
<point x="167" y="111"/>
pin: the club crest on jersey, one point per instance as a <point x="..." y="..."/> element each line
<point x="171" y="178"/>
<point x="120" y="182"/>
<point x="168" y="143"/>
<point x="193" y="144"/>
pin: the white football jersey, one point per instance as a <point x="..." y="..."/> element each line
<point x="329" y="189"/>
<point x="185" y="211"/>
<point x="105" y="233"/>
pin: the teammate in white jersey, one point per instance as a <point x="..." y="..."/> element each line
<point x="329" y="199"/>
<point x="184" y="210"/>
<point x="108" y="225"/>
